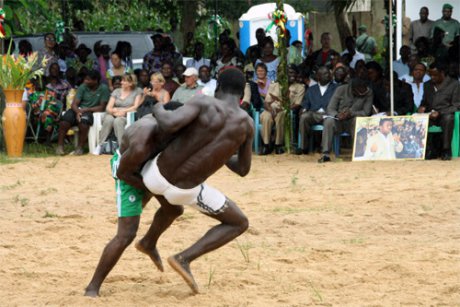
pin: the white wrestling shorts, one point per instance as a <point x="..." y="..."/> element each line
<point x="205" y="198"/>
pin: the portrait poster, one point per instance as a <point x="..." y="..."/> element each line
<point x="390" y="138"/>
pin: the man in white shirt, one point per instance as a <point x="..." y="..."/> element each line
<point x="205" y="80"/>
<point x="197" y="61"/>
<point x="401" y="66"/>
<point x="351" y="49"/>
<point x="383" y="145"/>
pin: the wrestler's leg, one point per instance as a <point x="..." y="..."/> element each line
<point x="127" y="228"/>
<point x="163" y="218"/>
<point x="233" y="223"/>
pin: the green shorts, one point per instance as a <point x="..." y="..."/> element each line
<point x="129" y="199"/>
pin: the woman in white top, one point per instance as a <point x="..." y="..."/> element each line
<point x="122" y="100"/>
<point x="117" y="69"/>
<point x="269" y="59"/>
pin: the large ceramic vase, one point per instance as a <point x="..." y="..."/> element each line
<point x="14" y="123"/>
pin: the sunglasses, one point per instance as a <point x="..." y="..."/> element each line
<point x="50" y="39"/>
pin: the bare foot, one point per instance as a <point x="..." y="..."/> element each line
<point x="91" y="293"/>
<point x="182" y="267"/>
<point x="153" y="254"/>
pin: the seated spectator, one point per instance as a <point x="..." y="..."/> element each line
<point x="82" y="59"/>
<point x="401" y="65"/>
<point x="179" y="73"/>
<point x="227" y="58"/>
<point x="170" y="53"/>
<point x="49" y="52"/>
<point x="351" y="51"/>
<point x="251" y="98"/>
<point x="261" y="80"/>
<point x="197" y="61"/>
<point x="122" y="100"/>
<point x="341" y="75"/>
<point x="116" y="82"/>
<point x="256" y="50"/>
<point x="348" y="102"/>
<point x="118" y="69"/>
<point x="190" y="87"/>
<point x="168" y="74"/>
<point x="269" y="59"/>
<point x="314" y="105"/>
<point x="380" y="102"/>
<point x="92" y="96"/>
<point x="366" y="44"/>
<point x="360" y="70"/>
<point x="103" y="60"/>
<point x="143" y="79"/>
<point x="403" y="97"/>
<point x="416" y="84"/>
<point x="438" y="49"/>
<point x="422" y="44"/>
<point x="274" y="113"/>
<point x="25" y="48"/>
<point x="209" y="84"/>
<point x="441" y="99"/>
<point x="154" y="59"/>
<point x="413" y="60"/>
<point x="323" y="56"/>
<point x="124" y="50"/>
<point x="157" y="91"/>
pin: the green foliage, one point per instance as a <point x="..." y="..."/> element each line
<point x="22" y="14"/>
<point x="114" y="15"/>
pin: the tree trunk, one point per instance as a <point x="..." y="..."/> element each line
<point x="188" y="23"/>
<point x="343" y="26"/>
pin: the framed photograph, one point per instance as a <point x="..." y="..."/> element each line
<point x="390" y="138"/>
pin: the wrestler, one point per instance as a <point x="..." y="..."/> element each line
<point x="208" y="133"/>
<point x="140" y="143"/>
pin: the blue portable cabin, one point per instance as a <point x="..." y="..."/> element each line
<point x="257" y="17"/>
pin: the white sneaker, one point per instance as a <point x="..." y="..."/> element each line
<point x="97" y="150"/>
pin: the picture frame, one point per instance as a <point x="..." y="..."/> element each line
<point x="390" y="138"/>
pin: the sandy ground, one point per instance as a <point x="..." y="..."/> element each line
<point x="363" y="233"/>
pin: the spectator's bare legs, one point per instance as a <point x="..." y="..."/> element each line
<point x="63" y="128"/>
<point x="233" y="223"/>
<point x="163" y="218"/>
<point x="127" y="228"/>
<point x="82" y="134"/>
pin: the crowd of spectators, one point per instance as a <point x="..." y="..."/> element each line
<point x="326" y="87"/>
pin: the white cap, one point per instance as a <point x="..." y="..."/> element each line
<point x="191" y="71"/>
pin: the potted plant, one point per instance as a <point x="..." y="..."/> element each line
<point x="15" y="73"/>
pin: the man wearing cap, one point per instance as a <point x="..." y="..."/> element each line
<point x="366" y="44"/>
<point x="450" y="26"/>
<point x="190" y="87"/>
<point x="82" y="59"/>
<point x="421" y="27"/>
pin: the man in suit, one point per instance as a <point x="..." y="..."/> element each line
<point x="314" y="105"/>
<point x="348" y="102"/>
<point x="441" y="99"/>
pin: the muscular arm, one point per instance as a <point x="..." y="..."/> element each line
<point x="130" y="166"/>
<point x="172" y="121"/>
<point x="241" y="163"/>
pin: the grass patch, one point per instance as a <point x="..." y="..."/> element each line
<point x="50" y="215"/>
<point x="48" y="191"/>
<point x="244" y="249"/>
<point x="33" y="150"/>
<point x="21" y="200"/>
<point x="10" y="187"/>
<point x="315" y="291"/>
<point x="212" y="270"/>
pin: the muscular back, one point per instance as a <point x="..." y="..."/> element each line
<point x="219" y="131"/>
